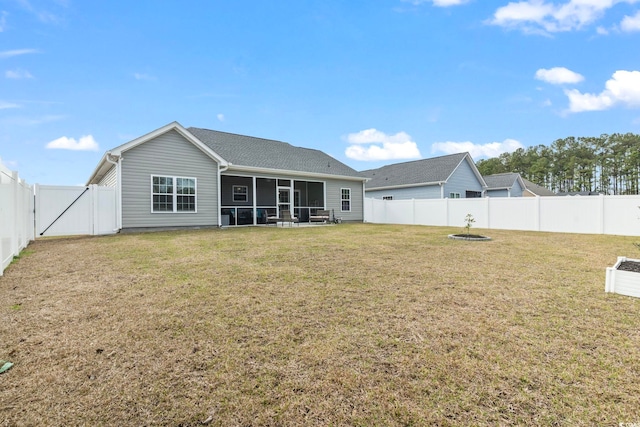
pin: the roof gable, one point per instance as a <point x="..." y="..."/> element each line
<point x="247" y="152"/>
<point x="501" y="181"/>
<point x="104" y="165"/>
<point x="432" y="171"/>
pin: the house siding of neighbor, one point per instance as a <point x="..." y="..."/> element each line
<point x="454" y="175"/>
<point x="175" y="177"/>
<point x="464" y="179"/>
<point x="504" y="185"/>
<point x="408" y="193"/>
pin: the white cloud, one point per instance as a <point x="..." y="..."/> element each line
<point x="142" y="76"/>
<point x="623" y="88"/>
<point x="6" y="105"/>
<point x="631" y="23"/>
<point x="558" y="76"/>
<point x="539" y="16"/>
<point x="86" y="143"/>
<point x="372" y="145"/>
<point x="16" y="52"/>
<point x="220" y="117"/>
<point x="18" y="74"/>
<point x="3" y="21"/>
<point x="602" y="31"/>
<point x="493" y="149"/>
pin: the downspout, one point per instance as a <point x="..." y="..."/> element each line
<point x="441" y="190"/>
<point x="220" y="170"/>
<point x="118" y="166"/>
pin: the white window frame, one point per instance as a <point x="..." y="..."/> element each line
<point x="342" y="200"/>
<point x="174" y="195"/>
<point x="245" y="194"/>
<point x="454" y="195"/>
<point x="387" y="197"/>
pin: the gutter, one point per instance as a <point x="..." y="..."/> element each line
<point x="117" y="164"/>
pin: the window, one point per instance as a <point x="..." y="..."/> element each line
<point x="454" y="195"/>
<point x="387" y="197"/>
<point x="173" y="194"/>
<point x="240" y="193"/>
<point x="346" y="199"/>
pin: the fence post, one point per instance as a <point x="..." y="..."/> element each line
<point x="14" y="234"/>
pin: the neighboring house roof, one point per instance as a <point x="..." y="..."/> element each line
<point x="503" y="181"/>
<point x="239" y="152"/>
<point x="537" y="190"/>
<point x="579" y="193"/>
<point x="433" y="171"/>
<point x="247" y="153"/>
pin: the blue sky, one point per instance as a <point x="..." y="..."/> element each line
<point x="368" y="82"/>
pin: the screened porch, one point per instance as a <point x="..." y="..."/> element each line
<point x="249" y="200"/>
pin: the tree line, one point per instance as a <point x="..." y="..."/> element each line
<point x="609" y="164"/>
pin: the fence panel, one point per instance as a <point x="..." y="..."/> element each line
<point x="72" y="210"/>
<point x="510" y="213"/>
<point x="616" y="215"/>
<point x="16" y="216"/>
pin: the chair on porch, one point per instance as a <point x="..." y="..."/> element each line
<point x="286" y="217"/>
<point x="273" y="220"/>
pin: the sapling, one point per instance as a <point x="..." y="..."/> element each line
<point x="469" y="220"/>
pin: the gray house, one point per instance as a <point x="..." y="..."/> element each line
<point x="176" y="177"/>
<point x="504" y="185"/>
<point x="452" y="176"/>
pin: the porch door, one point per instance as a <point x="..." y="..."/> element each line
<point x="284" y="199"/>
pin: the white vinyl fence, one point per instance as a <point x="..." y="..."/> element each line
<point x="65" y="211"/>
<point x="16" y="216"/>
<point x="616" y="215"/>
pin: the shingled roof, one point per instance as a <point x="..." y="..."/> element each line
<point x="536" y="189"/>
<point x="247" y="151"/>
<point x="501" y="180"/>
<point x="425" y="172"/>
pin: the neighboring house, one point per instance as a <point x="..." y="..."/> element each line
<point x="504" y="185"/>
<point x="451" y="176"/>
<point x="579" y="193"/>
<point x="532" y="190"/>
<point x="176" y="177"/>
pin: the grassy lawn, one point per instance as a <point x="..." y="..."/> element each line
<point x="355" y="324"/>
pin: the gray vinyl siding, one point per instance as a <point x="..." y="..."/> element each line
<point x="462" y="180"/>
<point x="516" y="190"/>
<point x="334" y="199"/>
<point x="497" y="193"/>
<point x="167" y="155"/>
<point x="422" y="192"/>
<point x="109" y="179"/>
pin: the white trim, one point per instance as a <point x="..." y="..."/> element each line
<point x="102" y="168"/>
<point x="174" y="194"/>
<point x="342" y="200"/>
<point x="285" y="172"/>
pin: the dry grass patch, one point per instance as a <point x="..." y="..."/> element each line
<point x="347" y="325"/>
